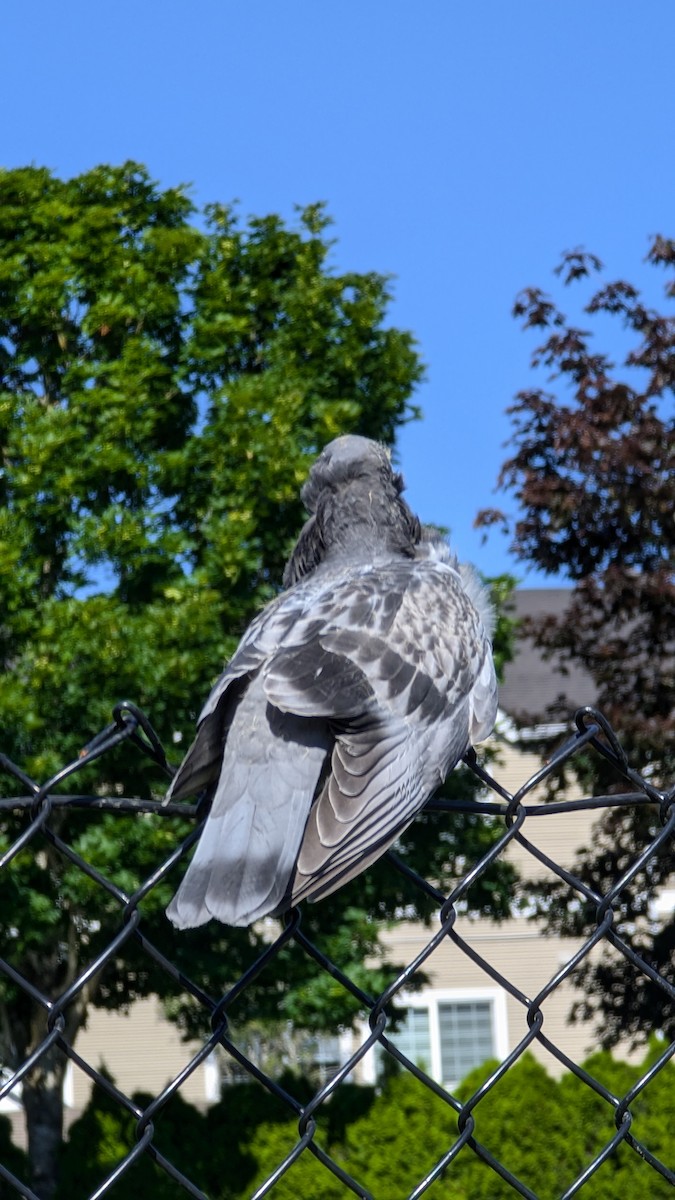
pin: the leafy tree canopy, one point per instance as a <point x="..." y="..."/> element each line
<point x="162" y="390"/>
<point x="166" y="377"/>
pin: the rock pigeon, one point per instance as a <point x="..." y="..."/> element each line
<point x="348" y="700"/>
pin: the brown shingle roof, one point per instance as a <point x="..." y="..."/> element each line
<point x="535" y="691"/>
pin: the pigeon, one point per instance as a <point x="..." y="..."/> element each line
<point x="350" y="697"/>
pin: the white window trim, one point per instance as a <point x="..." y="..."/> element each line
<point x="346" y="1045"/>
<point x="663" y="904"/>
<point x="12" y="1101"/>
<point x="69" y="1085"/>
<point x="212" y="1083"/>
<point x="430" y="998"/>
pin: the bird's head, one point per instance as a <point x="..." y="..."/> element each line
<point x="345" y="460"/>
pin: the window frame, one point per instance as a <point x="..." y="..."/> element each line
<point x="430" y="999"/>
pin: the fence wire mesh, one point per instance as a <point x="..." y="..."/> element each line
<point x="36" y="813"/>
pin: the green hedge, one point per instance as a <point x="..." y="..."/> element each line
<point x="544" y="1131"/>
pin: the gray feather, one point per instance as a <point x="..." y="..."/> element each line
<point x="348" y="700"/>
<point x="270" y="767"/>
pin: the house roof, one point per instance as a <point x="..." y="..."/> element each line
<point x="535" y="690"/>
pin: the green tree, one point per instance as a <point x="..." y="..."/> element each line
<point x="163" y="386"/>
<point x="11" y="1157"/>
<point x="166" y="377"/>
<point x="524" y="1124"/>
<point x="545" y="1131"/>
<point x="162" y="390"/>
<point x="625" y="1173"/>
<point x="227" y="1151"/>
<point x="400" y="1139"/>
<point x="593" y="471"/>
<point x="105" y="1133"/>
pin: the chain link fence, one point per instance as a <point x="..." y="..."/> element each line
<point x="38" y="829"/>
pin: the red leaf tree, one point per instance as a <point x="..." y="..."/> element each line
<point x="592" y="469"/>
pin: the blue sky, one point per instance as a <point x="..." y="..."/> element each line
<point x="459" y="147"/>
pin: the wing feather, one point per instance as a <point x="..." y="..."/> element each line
<point x="433" y="688"/>
<point x="386" y="669"/>
<point x="344" y="820"/>
<point x="483" y="698"/>
<point x="270" y="770"/>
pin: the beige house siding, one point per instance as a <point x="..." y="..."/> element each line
<point x="558" y="835"/>
<point x="517" y="950"/>
<point x="141" y="1050"/>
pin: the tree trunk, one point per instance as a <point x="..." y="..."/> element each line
<point x="23" y="1027"/>
<point x="43" y="1106"/>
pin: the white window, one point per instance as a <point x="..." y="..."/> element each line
<point x="467" y="1036"/>
<point x="276" y="1046"/>
<point x="413" y="1037"/>
<point x="447" y="1032"/>
<point x="11" y="1102"/>
<point x="325" y="1055"/>
<point x="212" y="1086"/>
